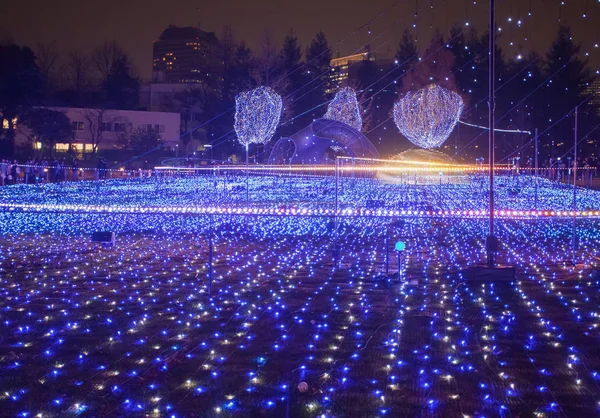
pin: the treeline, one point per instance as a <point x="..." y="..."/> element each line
<point x="533" y="90"/>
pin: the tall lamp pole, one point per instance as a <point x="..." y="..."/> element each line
<point x="536" y="168"/>
<point x="575" y="194"/>
<point x="491" y="243"/>
<point x="247" y="176"/>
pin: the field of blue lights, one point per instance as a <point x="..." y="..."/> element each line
<point x="93" y="331"/>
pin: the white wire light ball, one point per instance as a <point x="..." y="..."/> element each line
<point x="428" y="116"/>
<point x="344" y="108"/>
<point x="257" y="114"/>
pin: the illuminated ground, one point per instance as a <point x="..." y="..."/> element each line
<point x="130" y="331"/>
<point x="176" y="195"/>
<point x="91" y="331"/>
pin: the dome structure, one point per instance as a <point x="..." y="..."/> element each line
<point x="424" y="155"/>
<point x="320" y="143"/>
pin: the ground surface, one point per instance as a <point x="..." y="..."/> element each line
<point x="289" y="332"/>
<point x="94" y="332"/>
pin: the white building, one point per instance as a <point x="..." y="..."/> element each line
<point x="107" y="128"/>
<point x="183" y="97"/>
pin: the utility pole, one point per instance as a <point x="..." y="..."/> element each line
<point x="210" y="257"/>
<point x="387" y="249"/>
<point x="491" y="243"/>
<point x="536" y="168"/>
<point x="337" y="185"/>
<point x="575" y="193"/>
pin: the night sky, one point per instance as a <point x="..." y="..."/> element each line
<point x="76" y="24"/>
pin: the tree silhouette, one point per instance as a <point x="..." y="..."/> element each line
<point x="21" y="86"/>
<point x="105" y="57"/>
<point x="435" y="68"/>
<point x="290" y="64"/>
<point x="47" y="59"/>
<point x="406" y="57"/>
<point x="48" y="126"/>
<point x="568" y="77"/>
<point x="143" y="140"/>
<point x="120" y="86"/>
<point x="318" y="57"/>
<point x="77" y="74"/>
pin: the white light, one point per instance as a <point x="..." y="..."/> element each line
<point x="428" y="116"/>
<point x="257" y="114"/>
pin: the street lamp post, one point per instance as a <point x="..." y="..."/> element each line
<point x="536" y="168"/>
<point x="575" y="194"/>
<point x="247" y="176"/>
<point x="491" y="244"/>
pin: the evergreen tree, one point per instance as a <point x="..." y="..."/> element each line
<point x="568" y="74"/>
<point x="21" y="86"/>
<point x="290" y="64"/>
<point x="568" y="77"/>
<point x="406" y="58"/>
<point x="365" y="75"/>
<point x="318" y="58"/>
<point x="290" y="58"/>
<point x="517" y="103"/>
<point x="471" y="70"/>
<point x="434" y="68"/>
<point x="120" y="86"/>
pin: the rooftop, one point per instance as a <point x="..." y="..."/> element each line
<point x="174" y="33"/>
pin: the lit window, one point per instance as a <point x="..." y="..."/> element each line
<point x="61" y="147"/>
<point x="5" y="123"/>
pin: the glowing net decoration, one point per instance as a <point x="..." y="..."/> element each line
<point x="344" y="108"/>
<point x="257" y="114"/>
<point x="428" y="116"/>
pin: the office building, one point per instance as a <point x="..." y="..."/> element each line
<point x="186" y="55"/>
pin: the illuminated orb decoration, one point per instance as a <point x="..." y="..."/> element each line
<point x="344" y="108"/>
<point x="428" y="116"/>
<point x="257" y="114"/>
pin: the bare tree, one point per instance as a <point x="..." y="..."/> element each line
<point x="105" y="56"/>
<point x="78" y="70"/>
<point x="266" y="63"/>
<point x="47" y="58"/>
<point x="267" y="70"/>
<point x="98" y="122"/>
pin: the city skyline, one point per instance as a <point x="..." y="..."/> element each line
<point x="379" y="24"/>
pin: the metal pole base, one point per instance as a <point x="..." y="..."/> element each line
<point x="491" y="248"/>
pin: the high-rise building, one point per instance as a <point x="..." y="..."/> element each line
<point x="186" y="55"/>
<point x="593" y="89"/>
<point x="340" y="70"/>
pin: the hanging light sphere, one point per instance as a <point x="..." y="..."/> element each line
<point x="257" y="114"/>
<point x="428" y="116"/>
<point x="344" y="108"/>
